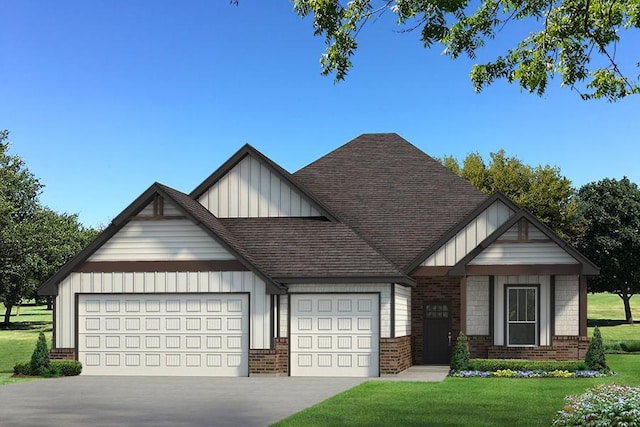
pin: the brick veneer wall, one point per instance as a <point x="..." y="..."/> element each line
<point x="270" y="361"/>
<point x="62" y="354"/>
<point x="395" y="354"/>
<point x="433" y="289"/>
<point x="561" y="348"/>
<point x="479" y="346"/>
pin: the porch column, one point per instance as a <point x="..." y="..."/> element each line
<point x="463" y="305"/>
<point x="583" y="306"/>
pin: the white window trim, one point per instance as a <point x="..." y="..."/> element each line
<point x="507" y="322"/>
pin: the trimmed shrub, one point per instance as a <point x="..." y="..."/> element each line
<point x="67" y="368"/>
<point x="630" y="346"/>
<point x="40" y="357"/>
<point x="493" y="365"/>
<point x="460" y="358"/>
<point x="603" y="405"/>
<point x="596" y="358"/>
<point x="22" y="368"/>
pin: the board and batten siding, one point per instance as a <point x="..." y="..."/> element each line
<point x="567" y="305"/>
<point x="171" y="239"/>
<point x="523" y="254"/>
<point x="252" y="189"/>
<point x="284" y="316"/>
<point x="478" y="305"/>
<point x="166" y="283"/>
<point x="168" y="209"/>
<point x="383" y="289"/>
<point x="470" y="236"/>
<point x="543" y="299"/>
<point x="402" y="305"/>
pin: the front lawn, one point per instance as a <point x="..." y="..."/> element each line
<point x="607" y="312"/>
<point x="17" y="343"/>
<point x="457" y="401"/>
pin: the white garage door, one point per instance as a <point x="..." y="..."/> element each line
<point x="335" y="335"/>
<point x="181" y="334"/>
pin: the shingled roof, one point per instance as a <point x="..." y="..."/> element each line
<point x="391" y="193"/>
<point x="310" y="250"/>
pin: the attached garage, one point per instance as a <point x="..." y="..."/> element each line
<point x="335" y="335"/>
<point x="164" y="334"/>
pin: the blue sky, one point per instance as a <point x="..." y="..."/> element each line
<point x="104" y="98"/>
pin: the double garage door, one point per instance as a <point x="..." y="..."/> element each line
<point x="143" y="334"/>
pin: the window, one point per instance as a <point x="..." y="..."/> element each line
<point x="522" y="316"/>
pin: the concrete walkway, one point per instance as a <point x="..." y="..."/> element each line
<point x="430" y="373"/>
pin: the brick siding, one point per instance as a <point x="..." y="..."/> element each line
<point x="395" y="355"/>
<point x="62" y="354"/>
<point x="270" y="361"/>
<point x="561" y="348"/>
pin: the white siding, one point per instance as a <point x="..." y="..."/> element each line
<point x="532" y="233"/>
<point x="523" y="253"/>
<point x="469" y="237"/>
<point x="567" y="305"/>
<point x="385" y="298"/>
<point x="478" y="305"/>
<point x="544" y="308"/>
<point x="164" y="282"/>
<point x="403" y="310"/>
<point x="252" y="189"/>
<point x="284" y="316"/>
<point x="162" y="240"/>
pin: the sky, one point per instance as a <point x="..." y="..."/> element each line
<point x="104" y="98"/>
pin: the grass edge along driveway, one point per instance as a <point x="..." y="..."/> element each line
<point x="458" y="401"/>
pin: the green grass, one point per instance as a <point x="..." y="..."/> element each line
<point x="17" y="343"/>
<point x="607" y="312"/>
<point x="457" y="401"/>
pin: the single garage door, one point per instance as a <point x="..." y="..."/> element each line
<point x="335" y="335"/>
<point x="170" y="334"/>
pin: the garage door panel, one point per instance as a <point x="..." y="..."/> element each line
<point x="164" y="335"/>
<point x="334" y="335"/>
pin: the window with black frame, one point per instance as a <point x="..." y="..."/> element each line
<point x="522" y="316"/>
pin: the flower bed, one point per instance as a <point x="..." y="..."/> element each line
<point x="510" y="373"/>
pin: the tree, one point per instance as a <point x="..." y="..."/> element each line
<point x="19" y="191"/>
<point x="542" y="189"/>
<point x="575" y="39"/>
<point x="611" y="239"/>
<point x="34" y="240"/>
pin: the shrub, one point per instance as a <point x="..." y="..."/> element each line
<point x="67" y="368"/>
<point x="40" y="357"/>
<point x="603" y="405"/>
<point x="596" y="358"/>
<point x="493" y="365"/>
<point x="630" y="346"/>
<point x="22" y="368"/>
<point x="460" y="358"/>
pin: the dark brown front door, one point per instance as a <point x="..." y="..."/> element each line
<point x="437" y="333"/>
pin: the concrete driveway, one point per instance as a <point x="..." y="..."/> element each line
<point x="162" y="401"/>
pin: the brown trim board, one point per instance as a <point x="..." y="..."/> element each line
<point x="148" y="266"/>
<point x="523" y="269"/>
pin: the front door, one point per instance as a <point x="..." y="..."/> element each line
<point x="437" y="333"/>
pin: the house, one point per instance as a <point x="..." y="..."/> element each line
<point x="366" y="261"/>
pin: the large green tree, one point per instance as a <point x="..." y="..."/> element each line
<point x="34" y="240"/>
<point x="611" y="239"/>
<point x="543" y="190"/>
<point x="575" y="39"/>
